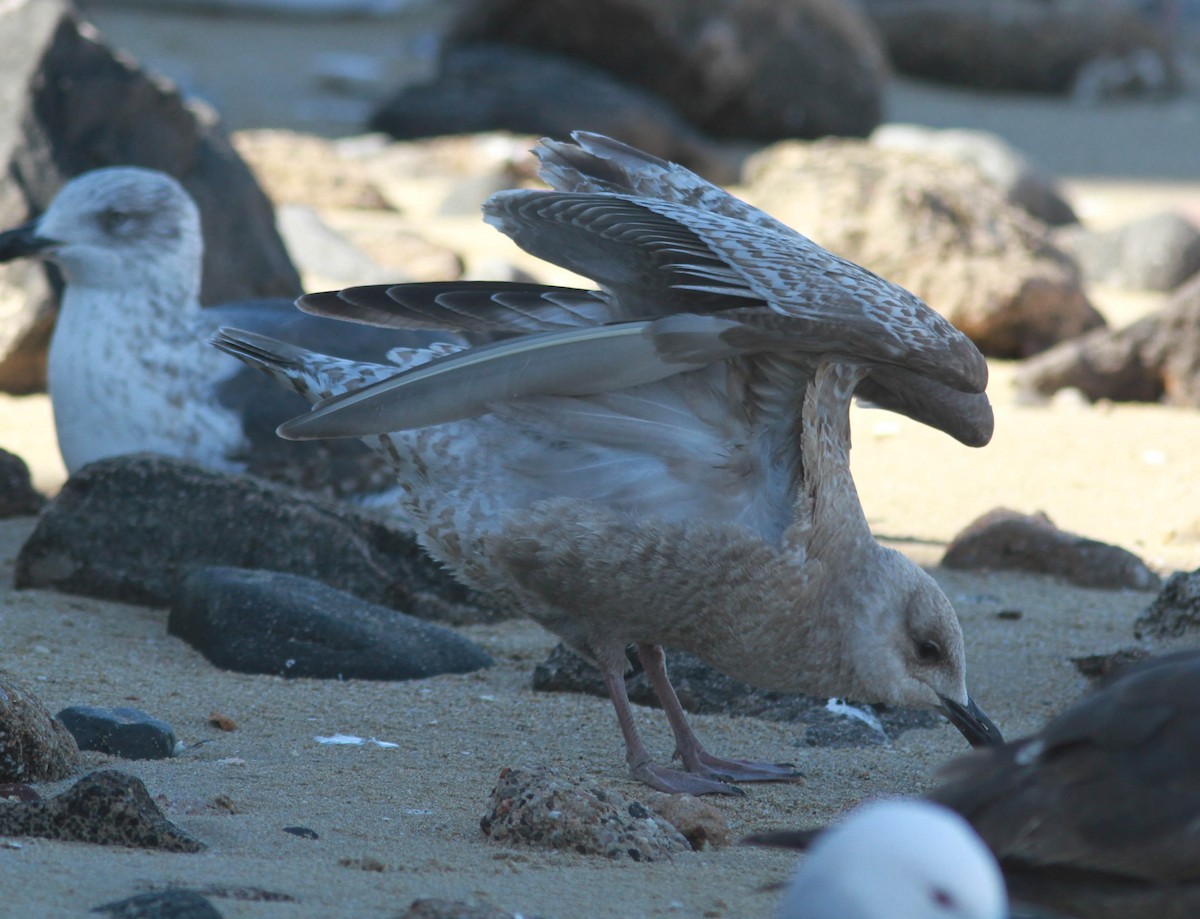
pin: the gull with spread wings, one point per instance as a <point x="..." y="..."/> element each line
<point x="664" y="461"/>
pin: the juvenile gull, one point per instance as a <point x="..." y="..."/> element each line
<point x="897" y="860"/>
<point x="664" y="461"/>
<point x="129" y="366"/>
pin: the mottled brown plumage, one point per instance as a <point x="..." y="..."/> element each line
<point x="664" y="461"/>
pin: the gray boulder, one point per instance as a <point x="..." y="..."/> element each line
<point x="758" y="70"/>
<point x="71" y="104"/>
<point x="1158" y="252"/>
<point x="1027" y="45"/>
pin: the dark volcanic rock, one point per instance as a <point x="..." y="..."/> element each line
<point x="125" y="732"/>
<point x="492" y="87"/>
<point x="283" y="624"/>
<point x="540" y="807"/>
<point x="1006" y="540"/>
<point x="1102" y="666"/>
<point x="1154" y="359"/>
<point x="935" y="226"/>
<point x="128" y="528"/>
<point x="106" y="808"/>
<point x="18" y="497"/>
<point x="703" y="691"/>
<point x="34" y="747"/>
<point x="72" y="104"/>
<point x="1158" y="252"/>
<point x="172" y="903"/>
<point x="764" y="69"/>
<point x="1029" y="45"/>
<point x="1175" y="611"/>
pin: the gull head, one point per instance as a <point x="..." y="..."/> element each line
<point x="114" y="228"/>
<point x="910" y="651"/>
<point x="897" y="860"/>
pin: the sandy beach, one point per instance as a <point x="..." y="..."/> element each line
<point x="401" y="823"/>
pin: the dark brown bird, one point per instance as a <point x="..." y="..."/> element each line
<point x="1097" y="816"/>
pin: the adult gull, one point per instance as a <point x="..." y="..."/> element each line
<point x="897" y="859"/>
<point x="664" y="461"/>
<point x="129" y="366"/>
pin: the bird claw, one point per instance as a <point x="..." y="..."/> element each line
<point x="741" y="770"/>
<point x="674" y="782"/>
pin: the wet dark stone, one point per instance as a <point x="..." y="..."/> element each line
<point x="1175" y="611"/>
<point x="268" y="622"/>
<point x="302" y="831"/>
<point x="34" y="746"/>
<point x="173" y="903"/>
<point x="125" y="732"/>
<point x="703" y="690"/>
<point x="106" y="808"/>
<point x="18" y="497"/>
<point x="128" y="528"/>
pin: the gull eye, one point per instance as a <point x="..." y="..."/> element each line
<point x="942" y="899"/>
<point x="111" y="219"/>
<point x="929" y="651"/>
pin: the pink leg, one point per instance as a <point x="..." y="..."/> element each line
<point x="695" y="758"/>
<point x="641" y="767"/>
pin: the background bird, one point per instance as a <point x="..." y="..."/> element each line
<point x="664" y="461"/>
<point x="129" y="367"/>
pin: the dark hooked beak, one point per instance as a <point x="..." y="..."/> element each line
<point x="23" y="241"/>
<point x="972" y="723"/>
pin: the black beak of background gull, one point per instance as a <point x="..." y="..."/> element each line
<point x="972" y="723"/>
<point x="22" y="241"/>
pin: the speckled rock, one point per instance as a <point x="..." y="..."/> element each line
<point x="1101" y="666"/>
<point x="125" y="732"/>
<point x="34" y="746"/>
<point x="129" y="527"/>
<point x="699" y="822"/>
<point x="172" y="903"/>
<point x="705" y="691"/>
<point x="540" y="807"/>
<point x="106" y="808"/>
<point x="1175" y="611"/>
<point x="18" y="497"/>
<point x="287" y="625"/>
<point x="936" y="226"/>
<point x="1004" y="540"/>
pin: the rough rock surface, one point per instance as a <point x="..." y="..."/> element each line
<point x="107" y="808"/>
<point x="1175" y="611"/>
<point x="698" y="822"/>
<point x="761" y="69"/>
<point x="539" y="807"/>
<point x="936" y="226"/>
<point x="283" y="624"/>
<point x="1158" y="252"/>
<point x="495" y="87"/>
<point x="72" y="104"/>
<point x="1027" y="45"/>
<point x="34" y="746"/>
<point x="1154" y="359"/>
<point x="18" y="497"/>
<point x="1006" y="540"/>
<point x="128" y="528"/>
<point x="125" y="732"/>
<point x="1023" y="183"/>
<point x="703" y="690"/>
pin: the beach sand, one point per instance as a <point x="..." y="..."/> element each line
<point x="397" y="824"/>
